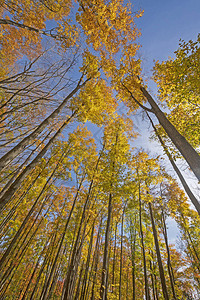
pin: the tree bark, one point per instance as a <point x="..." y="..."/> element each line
<point x="169" y="265"/>
<point x="105" y="256"/>
<point x="147" y="294"/>
<point x="188" y="152"/>
<point x="160" y="265"/>
<point x="191" y="196"/>
<point x="121" y="256"/>
<point x="79" y="282"/>
<point x="96" y="258"/>
<point x="133" y="240"/>
<point x="83" y="291"/>
<point x="114" y="258"/>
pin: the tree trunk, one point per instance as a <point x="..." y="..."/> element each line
<point x="79" y="282"/>
<point x="152" y="280"/>
<point x="161" y="270"/>
<point x="96" y="258"/>
<point x="114" y="257"/>
<point x="147" y="294"/>
<point x="169" y="265"/>
<point x="191" y="196"/>
<point x="105" y="256"/>
<point x="188" y="152"/>
<point x="133" y="240"/>
<point x="83" y="292"/>
<point x="121" y="256"/>
<point x="15" y="239"/>
<point x="69" y="281"/>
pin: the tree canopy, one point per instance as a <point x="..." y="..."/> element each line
<point x="84" y="209"/>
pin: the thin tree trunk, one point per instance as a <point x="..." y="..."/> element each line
<point x="22" y="248"/>
<point x="133" y="240"/>
<point x="56" y="274"/>
<point x="121" y="257"/>
<point x="23" y="195"/>
<point x="160" y="265"/>
<point x="105" y="256"/>
<point x="156" y="285"/>
<point x="152" y="280"/>
<point x="73" y="267"/>
<point x="169" y="265"/>
<point x="19" y="259"/>
<point x="147" y="294"/>
<point x="127" y="286"/>
<point x="14" y="240"/>
<point x="79" y="283"/>
<point x="114" y="258"/>
<point x="193" y="251"/>
<point x="50" y="264"/>
<point x="107" y="276"/>
<point x="83" y="292"/>
<point x="69" y="281"/>
<point x="96" y="258"/>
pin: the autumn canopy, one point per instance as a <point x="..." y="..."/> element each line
<point x="84" y="209"/>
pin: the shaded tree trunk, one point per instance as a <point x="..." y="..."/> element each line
<point x="133" y="241"/>
<point x="83" y="292"/>
<point x="114" y="257"/>
<point x="160" y="265"/>
<point x="105" y="256"/>
<point x="121" y="256"/>
<point x="147" y="294"/>
<point x="96" y="259"/>
<point x="152" y="280"/>
<point x="169" y="265"/>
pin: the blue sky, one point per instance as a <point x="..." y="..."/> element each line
<point x="163" y="24"/>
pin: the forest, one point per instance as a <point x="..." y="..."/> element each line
<point x="85" y="210"/>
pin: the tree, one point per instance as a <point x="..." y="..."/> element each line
<point x="84" y="212"/>
<point x="178" y="83"/>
